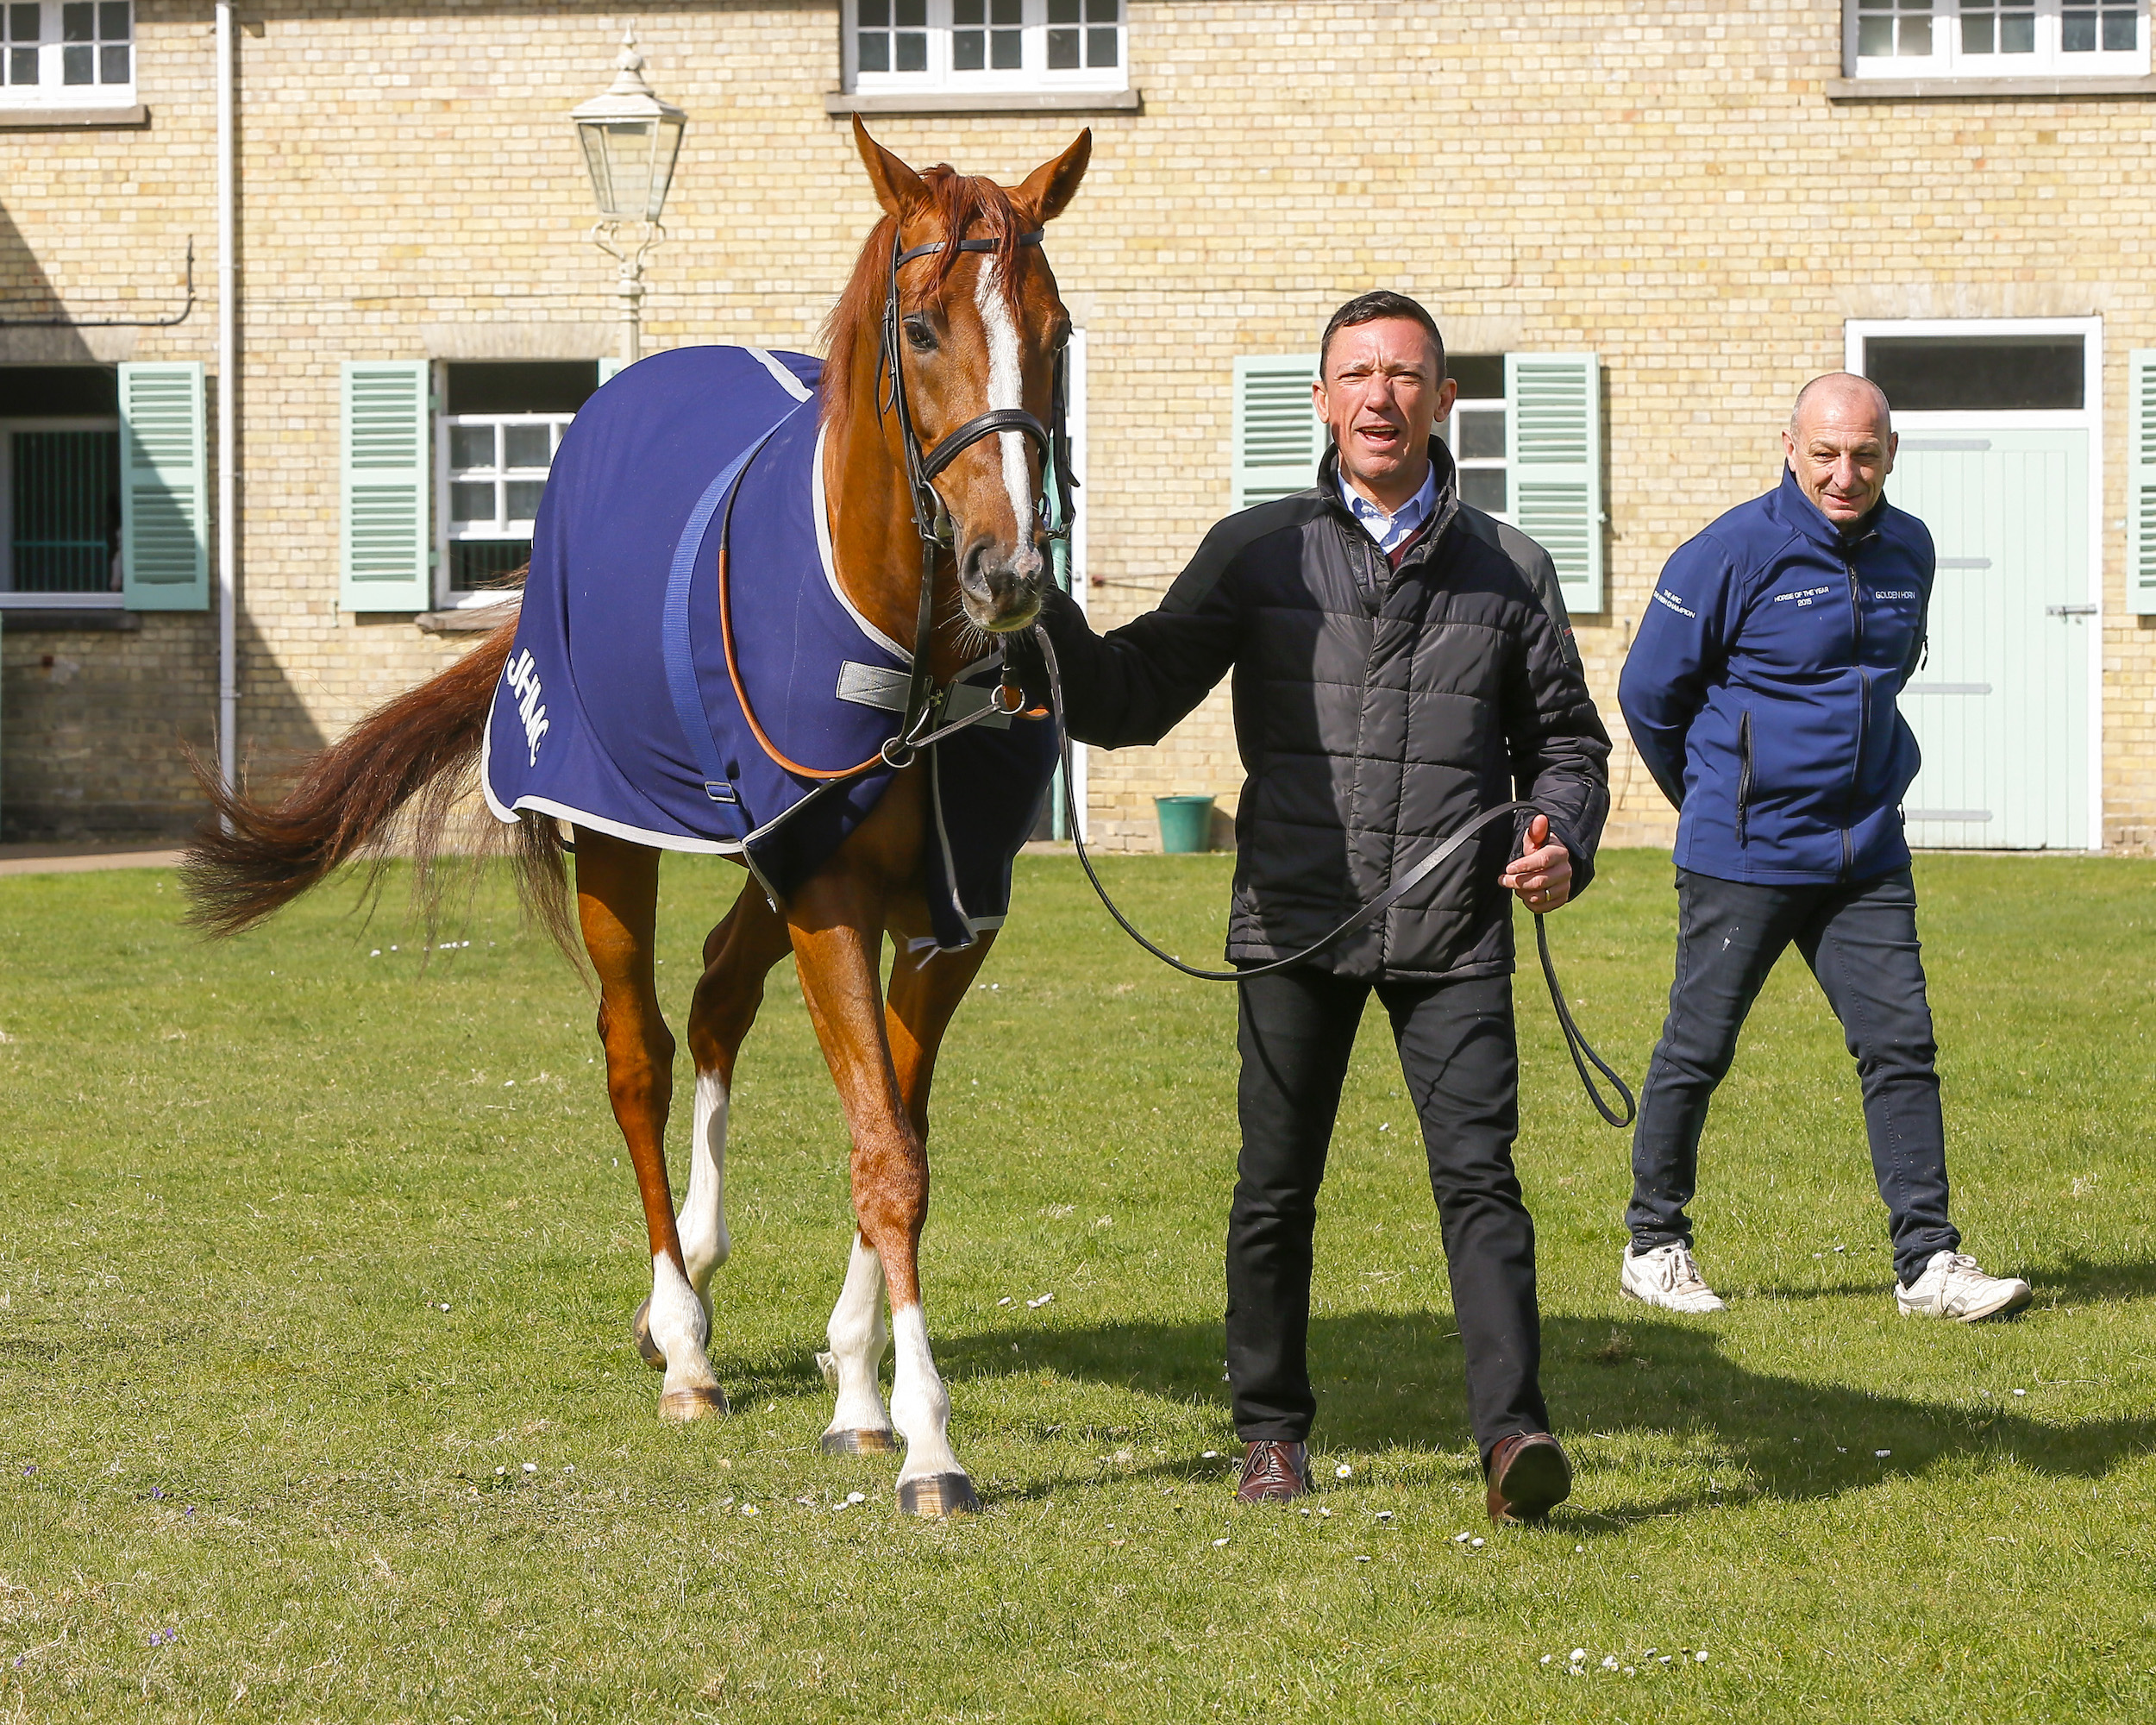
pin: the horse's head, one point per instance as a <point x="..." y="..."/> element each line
<point x="979" y="331"/>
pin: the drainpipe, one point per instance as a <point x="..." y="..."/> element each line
<point x="228" y="401"/>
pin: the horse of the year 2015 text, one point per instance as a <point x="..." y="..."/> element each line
<point x="762" y="620"/>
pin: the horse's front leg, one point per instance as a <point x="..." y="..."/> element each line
<point x="618" y="902"/>
<point x="838" y="923"/>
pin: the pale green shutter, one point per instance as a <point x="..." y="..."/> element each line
<point x="1553" y="444"/>
<point x="384" y="561"/>
<point x="2140" y="485"/>
<point x="1278" y="437"/>
<point x="164" y="488"/>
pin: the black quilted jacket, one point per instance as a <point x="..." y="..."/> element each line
<point x="1375" y="713"/>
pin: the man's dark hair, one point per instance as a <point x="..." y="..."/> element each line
<point x="1368" y="308"/>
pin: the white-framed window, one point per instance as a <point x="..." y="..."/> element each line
<point x="1996" y="38"/>
<point x="985" y="45"/>
<point x="494" y="444"/>
<point x="67" y="54"/>
<point x="1475" y="432"/>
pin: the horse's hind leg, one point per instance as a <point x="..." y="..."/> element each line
<point x="618" y="905"/>
<point x="737" y="956"/>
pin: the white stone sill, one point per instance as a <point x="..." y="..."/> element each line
<point x="1841" y="90"/>
<point x="839" y="103"/>
<point x="71" y="119"/>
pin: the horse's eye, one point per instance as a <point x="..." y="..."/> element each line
<point x="919" y="335"/>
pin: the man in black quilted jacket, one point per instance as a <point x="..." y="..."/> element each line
<point x="1401" y="664"/>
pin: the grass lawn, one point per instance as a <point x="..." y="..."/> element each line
<point x="316" y="1399"/>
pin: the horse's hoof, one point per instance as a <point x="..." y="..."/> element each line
<point x="678" y="1407"/>
<point x="861" y="1443"/>
<point x="640" y="1332"/>
<point x="938" y="1493"/>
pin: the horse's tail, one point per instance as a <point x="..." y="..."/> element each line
<point x="401" y="773"/>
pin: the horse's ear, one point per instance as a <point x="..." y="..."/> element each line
<point x="1049" y="188"/>
<point x="898" y="189"/>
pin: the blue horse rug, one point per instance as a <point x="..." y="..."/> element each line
<point x="616" y="711"/>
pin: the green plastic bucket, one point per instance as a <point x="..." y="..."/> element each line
<point x="1186" y="823"/>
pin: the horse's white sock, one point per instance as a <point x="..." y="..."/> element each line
<point x="704" y="1242"/>
<point x="858" y="1338"/>
<point x="920" y="1407"/>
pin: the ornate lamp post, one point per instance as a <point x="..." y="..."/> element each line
<point x="630" y="139"/>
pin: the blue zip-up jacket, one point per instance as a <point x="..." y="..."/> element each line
<point x="1761" y="689"/>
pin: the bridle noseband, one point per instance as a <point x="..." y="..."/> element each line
<point x="931" y="521"/>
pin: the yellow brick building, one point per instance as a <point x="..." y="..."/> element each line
<point x="1696" y="205"/>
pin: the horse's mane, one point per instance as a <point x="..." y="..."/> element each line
<point x="963" y="202"/>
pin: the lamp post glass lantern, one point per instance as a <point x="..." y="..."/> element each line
<point x="630" y="139"/>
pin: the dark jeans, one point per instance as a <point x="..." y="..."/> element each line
<point x="1296" y="1030"/>
<point x="1860" y="940"/>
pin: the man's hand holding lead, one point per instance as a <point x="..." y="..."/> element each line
<point x="1542" y="873"/>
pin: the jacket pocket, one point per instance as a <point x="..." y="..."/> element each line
<point x="1744" y="773"/>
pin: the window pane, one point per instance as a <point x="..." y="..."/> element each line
<point x="1976" y="31"/>
<point x="1976" y="373"/>
<point x="1007" y="13"/>
<point x="22" y="23"/>
<point x="470" y="502"/>
<point x="1099" y="47"/>
<point x="112" y="20"/>
<point x="912" y="52"/>
<point x="471" y="446"/>
<point x="524" y="498"/>
<point x="2078" y="30"/>
<point x="66" y="511"/>
<point x="525" y="446"/>
<point x="875" y="51"/>
<point x="874" y="14"/>
<point x="1063" y="50"/>
<point x="1875" y="37"/>
<point x="912" y="13"/>
<point x="1006" y="46"/>
<point x="1482" y="434"/>
<point x="76" y="21"/>
<point x="478" y="564"/>
<point x="967" y="11"/>
<point x="2118" y="30"/>
<point x="2017" y="33"/>
<point x="1103" y="12"/>
<point x="1483" y="488"/>
<point x="112" y="64"/>
<point x="1479" y="376"/>
<point x="77" y="66"/>
<point x="968" y="49"/>
<point x="1062" y="11"/>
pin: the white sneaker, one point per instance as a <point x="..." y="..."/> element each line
<point x="1954" y="1286"/>
<point x="1667" y="1277"/>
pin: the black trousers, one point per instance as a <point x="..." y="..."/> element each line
<point x="1860" y="940"/>
<point x="1296" y="1030"/>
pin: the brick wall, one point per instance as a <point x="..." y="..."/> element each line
<point x="1667" y="187"/>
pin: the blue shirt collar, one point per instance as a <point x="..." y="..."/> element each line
<point x="1389" y="530"/>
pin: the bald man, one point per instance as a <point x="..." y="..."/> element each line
<point x="1760" y="692"/>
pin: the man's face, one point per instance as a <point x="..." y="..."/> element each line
<point x="1842" y="450"/>
<point x="1379" y="395"/>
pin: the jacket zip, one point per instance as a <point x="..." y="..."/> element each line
<point x="1744" y="774"/>
<point x="1863" y="713"/>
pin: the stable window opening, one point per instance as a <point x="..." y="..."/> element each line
<point x="500" y="427"/>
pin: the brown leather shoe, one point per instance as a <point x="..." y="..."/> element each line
<point x="1272" y="1472"/>
<point x="1528" y="1477"/>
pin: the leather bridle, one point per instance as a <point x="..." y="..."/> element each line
<point x="931" y="520"/>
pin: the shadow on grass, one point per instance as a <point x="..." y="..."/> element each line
<point x="1389" y="1381"/>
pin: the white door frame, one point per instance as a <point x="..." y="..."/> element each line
<point x="2088" y="417"/>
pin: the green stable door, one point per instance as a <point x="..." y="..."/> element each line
<point x="2002" y="705"/>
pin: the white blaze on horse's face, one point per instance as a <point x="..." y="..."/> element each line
<point x="999" y="565"/>
<point x="1006" y="388"/>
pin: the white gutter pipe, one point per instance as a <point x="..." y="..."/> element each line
<point x="227" y="407"/>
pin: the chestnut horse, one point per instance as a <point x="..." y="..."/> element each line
<point x="977" y="326"/>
